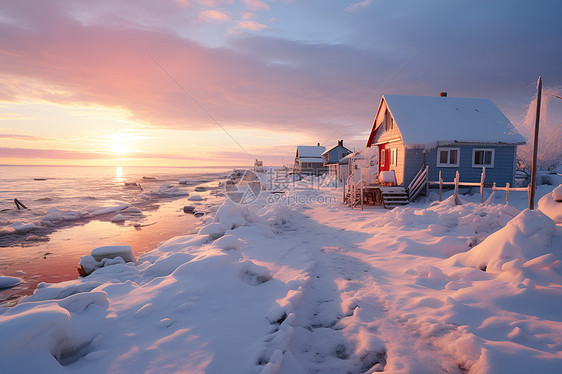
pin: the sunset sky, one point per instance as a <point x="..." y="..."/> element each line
<point x="221" y="82"/>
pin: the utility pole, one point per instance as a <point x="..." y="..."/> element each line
<point x="535" y="147"/>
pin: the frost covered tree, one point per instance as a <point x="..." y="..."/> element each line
<point x="549" y="155"/>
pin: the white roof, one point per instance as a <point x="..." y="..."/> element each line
<point x="310" y="151"/>
<point x="430" y="120"/>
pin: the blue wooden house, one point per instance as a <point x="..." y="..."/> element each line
<point x="446" y="134"/>
<point x="308" y="159"/>
<point x="332" y="156"/>
<point x="335" y="154"/>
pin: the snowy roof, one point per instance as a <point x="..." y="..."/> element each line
<point x="310" y="151"/>
<point x="311" y="159"/>
<point x="427" y="120"/>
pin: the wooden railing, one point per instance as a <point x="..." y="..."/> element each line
<point x="507" y="188"/>
<point x="419" y="182"/>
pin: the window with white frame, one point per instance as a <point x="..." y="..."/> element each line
<point x="483" y="157"/>
<point x="394" y="157"/>
<point x="448" y="157"/>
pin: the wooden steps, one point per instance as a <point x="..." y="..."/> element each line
<point x="394" y="196"/>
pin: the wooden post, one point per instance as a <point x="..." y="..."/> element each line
<point x="535" y="147"/>
<point x="457" y="177"/>
<point x="361" y="191"/>
<point x="506" y="193"/>
<point x="440" y="187"/>
<point x="426" y="180"/>
<point x="343" y="188"/>
<point x="482" y="177"/>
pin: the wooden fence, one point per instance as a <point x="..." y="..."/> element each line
<point x="457" y="183"/>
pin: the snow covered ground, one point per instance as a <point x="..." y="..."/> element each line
<point x="278" y="286"/>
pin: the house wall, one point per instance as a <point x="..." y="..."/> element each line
<point x="394" y="138"/>
<point x="501" y="173"/>
<point x="383" y="135"/>
<point x="336" y="154"/>
<point x="414" y="161"/>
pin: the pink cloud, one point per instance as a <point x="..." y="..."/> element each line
<point x="213" y="15"/>
<point x="251" y="25"/>
<point x="54" y="57"/>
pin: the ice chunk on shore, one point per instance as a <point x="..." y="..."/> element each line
<point x="7" y="282"/>
<point x="21" y="228"/>
<point x="118" y="218"/>
<point x="169" y="190"/>
<point x="112" y="251"/>
<point x="96" y="211"/>
<point x="195" y="198"/>
<point x="183" y="181"/>
<point x="56" y="215"/>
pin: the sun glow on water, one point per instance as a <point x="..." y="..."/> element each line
<point x="119" y="172"/>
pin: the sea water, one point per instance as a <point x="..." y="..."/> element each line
<point x="44" y="242"/>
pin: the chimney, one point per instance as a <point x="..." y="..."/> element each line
<point x="319" y="144"/>
<point x="340" y="142"/>
<point x="443" y="94"/>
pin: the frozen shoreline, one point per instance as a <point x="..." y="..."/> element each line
<point x="51" y="251"/>
<point x="271" y="288"/>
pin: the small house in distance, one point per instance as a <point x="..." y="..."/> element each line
<point x="332" y="156"/>
<point x="446" y="134"/>
<point x="258" y="166"/>
<point x="309" y="159"/>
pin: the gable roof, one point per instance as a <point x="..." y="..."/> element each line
<point x="310" y="151"/>
<point x="334" y="147"/>
<point x="432" y="120"/>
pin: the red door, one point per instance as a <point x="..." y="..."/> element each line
<point x="384" y="158"/>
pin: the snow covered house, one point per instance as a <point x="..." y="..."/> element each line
<point x="446" y="134"/>
<point x="332" y="156"/>
<point x="309" y="159"/>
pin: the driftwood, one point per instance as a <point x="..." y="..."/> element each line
<point x="19" y="204"/>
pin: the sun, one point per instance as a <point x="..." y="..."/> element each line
<point x="120" y="142"/>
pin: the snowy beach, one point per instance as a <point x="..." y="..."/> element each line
<point x="73" y="209"/>
<point x="282" y="287"/>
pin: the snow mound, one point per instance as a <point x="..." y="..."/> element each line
<point x="7" y="282"/>
<point x="521" y="243"/>
<point x="557" y="193"/>
<point x="195" y="198"/>
<point x="214" y="230"/>
<point x="551" y="204"/>
<point x="232" y="216"/>
<point x="229" y="242"/>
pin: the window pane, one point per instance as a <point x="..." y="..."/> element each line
<point x="487" y="157"/>
<point x="478" y="157"/>
<point x="453" y="156"/>
<point x="443" y="157"/>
